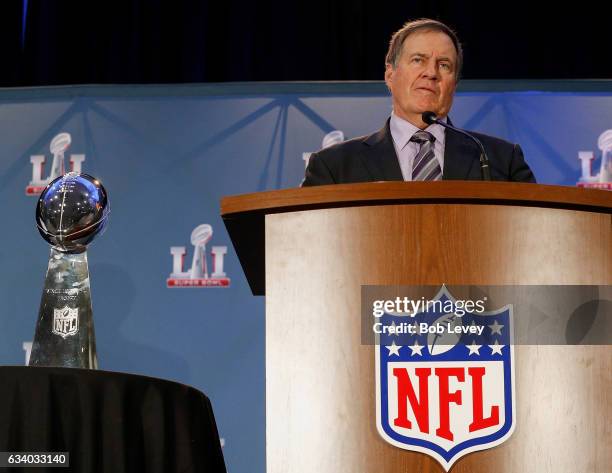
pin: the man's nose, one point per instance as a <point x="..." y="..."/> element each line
<point x="431" y="69"/>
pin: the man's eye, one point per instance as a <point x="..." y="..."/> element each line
<point x="446" y="66"/>
<point x="417" y="59"/>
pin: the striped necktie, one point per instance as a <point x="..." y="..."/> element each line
<point x="425" y="166"/>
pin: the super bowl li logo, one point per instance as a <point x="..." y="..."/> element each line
<point x="448" y="388"/>
<point x="197" y="275"/>
<point x="59" y="146"/>
<point x="602" y="180"/>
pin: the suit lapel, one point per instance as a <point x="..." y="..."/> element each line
<point x="379" y="156"/>
<point x="460" y="156"/>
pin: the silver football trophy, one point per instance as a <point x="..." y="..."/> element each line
<point x="71" y="211"/>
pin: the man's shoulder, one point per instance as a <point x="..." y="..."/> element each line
<point x="346" y="148"/>
<point x="361" y="159"/>
<point x="490" y="140"/>
<point x="506" y="159"/>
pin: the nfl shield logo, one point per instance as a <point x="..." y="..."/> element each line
<point x="446" y="388"/>
<point x="65" y="321"/>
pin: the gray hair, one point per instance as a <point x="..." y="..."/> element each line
<point x="424" y="24"/>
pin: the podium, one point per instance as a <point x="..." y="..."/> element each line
<point x="310" y="250"/>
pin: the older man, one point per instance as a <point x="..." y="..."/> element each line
<point x="423" y="64"/>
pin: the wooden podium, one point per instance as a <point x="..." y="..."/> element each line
<point x="310" y="250"/>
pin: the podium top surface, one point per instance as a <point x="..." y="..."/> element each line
<point x="244" y="215"/>
<point x="380" y="193"/>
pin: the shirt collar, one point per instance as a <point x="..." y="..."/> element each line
<point x="402" y="130"/>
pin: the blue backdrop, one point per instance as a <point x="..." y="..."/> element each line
<point x="166" y="156"/>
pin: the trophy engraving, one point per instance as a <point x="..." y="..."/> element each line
<point x="65" y="321"/>
<point x="71" y="211"/>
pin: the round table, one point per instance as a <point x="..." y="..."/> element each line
<point x="107" y="422"/>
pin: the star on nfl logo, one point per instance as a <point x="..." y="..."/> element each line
<point x="446" y="395"/>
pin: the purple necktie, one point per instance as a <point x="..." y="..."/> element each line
<point x="425" y="166"/>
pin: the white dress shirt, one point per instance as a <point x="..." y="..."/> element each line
<point x="406" y="150"/>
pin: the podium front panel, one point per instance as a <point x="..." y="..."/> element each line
<point x="320" y="379"/>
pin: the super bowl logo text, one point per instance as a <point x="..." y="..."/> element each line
<point x="602" y="180"/>
<point x="445" y="384"/>
<point x="59" y="145"/>
<point x="198" y="276"/>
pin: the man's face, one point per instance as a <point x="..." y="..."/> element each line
<point x="424" y="78"/>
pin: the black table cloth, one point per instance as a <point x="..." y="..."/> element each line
<point x="108" y="422"/>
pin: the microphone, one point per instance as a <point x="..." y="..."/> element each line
<point x="430" y="118"/>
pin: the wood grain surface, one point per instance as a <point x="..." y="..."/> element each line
<point x="438" y="191"/>
<point x="244" y="215"/>
<point x="320" y="379"/>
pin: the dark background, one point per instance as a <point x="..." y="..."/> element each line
<point x="52" y="42"/>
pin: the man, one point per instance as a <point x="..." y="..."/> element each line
<point x="423" y="64"/>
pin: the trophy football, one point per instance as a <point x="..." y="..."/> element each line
<point x="71" y="211"/>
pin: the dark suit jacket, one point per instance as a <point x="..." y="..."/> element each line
<point x="372" y="158"/>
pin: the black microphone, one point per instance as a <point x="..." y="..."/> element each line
<point x="430" y="118"/>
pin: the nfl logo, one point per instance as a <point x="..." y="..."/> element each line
<point x="65" y="321"/>
<point x="447" y="389"/>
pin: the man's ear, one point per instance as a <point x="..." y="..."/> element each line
<point x="389" y="76"/>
